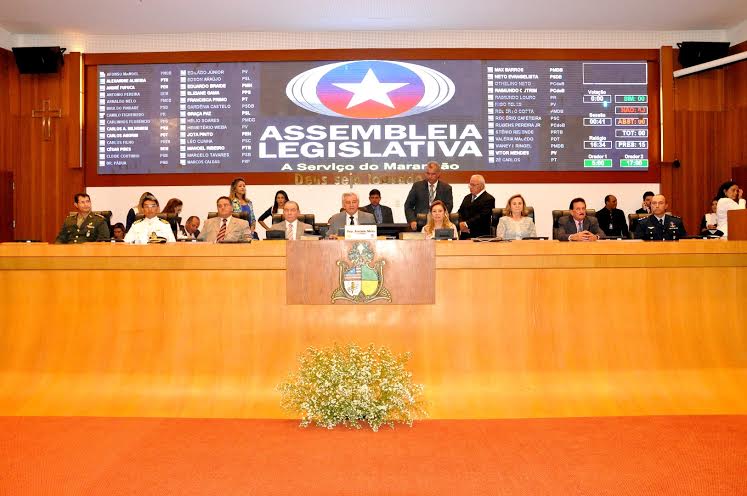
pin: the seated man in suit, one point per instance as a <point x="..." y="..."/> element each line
<point x="579" y="226"/>
<point x="424" y="193"/>
<point x="83" y="225"/>
<point x="611" y="219"/>
<point x="659" y="226"/>
<point x="290" y="224"/>
<point x="476" y="210"/>
<point x="150" y="229"/>
<point x="381" y="213"/>
<point x="225" y="227"/>
<point x="190" y="229"/>
<point x="350" y="215"/>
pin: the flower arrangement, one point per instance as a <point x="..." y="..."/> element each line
<point x="349" y="385"/>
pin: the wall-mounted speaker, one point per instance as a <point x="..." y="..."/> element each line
<point x="699" y="52"/>
<point x="39" y="60"/>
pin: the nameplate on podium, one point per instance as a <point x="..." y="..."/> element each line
<point x="359" y="232"/>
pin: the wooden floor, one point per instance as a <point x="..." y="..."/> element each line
<point x="526" y="329"/>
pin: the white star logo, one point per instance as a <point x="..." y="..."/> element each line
<point x="370" y="89"/>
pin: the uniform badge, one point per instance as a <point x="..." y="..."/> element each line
<point x="361" y="281"/>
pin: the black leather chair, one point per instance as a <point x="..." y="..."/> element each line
<point x="305" y="218"/>
<point x="557" y="214"/>
<point x="497" y="213"/>
<point x="238" y="215"/>
<point x="422" y="220"/>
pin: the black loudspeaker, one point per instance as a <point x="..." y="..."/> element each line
<point x="699" y="52"/>
<point x="39" y="60"/>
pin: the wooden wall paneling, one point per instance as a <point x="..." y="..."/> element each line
<point x="6" y="206"/>
<point x="666" y="62"/>
<point x="735" y="118"/>
<point x="6" y="58"/>
<point x="45" y="182"/>
<point x="700" y="146"/>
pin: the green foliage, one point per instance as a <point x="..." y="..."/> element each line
<point x="349" y="385"/>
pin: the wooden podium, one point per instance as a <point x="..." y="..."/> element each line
<point x="737" y="220"/>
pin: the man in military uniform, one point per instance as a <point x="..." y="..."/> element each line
<point x="660" y="226"/>
<point x="83" y="226"/>
<point x="150" y="229"/>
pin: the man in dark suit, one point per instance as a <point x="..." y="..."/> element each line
<point x="476" y="210"/>
<point x="578" y="226"/>
<point x="659" y="226"/>
<point x="612" y="219"/>
<point x="381" y="213"/>
<point x="646" y="205"/>
<point x="424" y="193"/>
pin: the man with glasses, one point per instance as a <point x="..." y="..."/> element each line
<point x="476" y="210"/>
<point x="150" y="229"/>
<point x="290" y="225"/>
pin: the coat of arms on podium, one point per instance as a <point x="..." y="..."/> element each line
<point x="362" y="280"/>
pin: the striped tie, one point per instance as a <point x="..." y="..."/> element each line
<point x="289" y="231"/>
<point x="221" y="231"/>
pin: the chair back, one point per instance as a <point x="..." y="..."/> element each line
<point x="238" y="215"/>
<point x="557" y="214"/>
<point x="305" y="218"/>
<point x="497" y="213"/>
<point x="422" y="220"/>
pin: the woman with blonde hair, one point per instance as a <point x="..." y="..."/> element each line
<point x="515" y="222"/>
<point x="240" y="202"/>
<point x="438" y="219"/>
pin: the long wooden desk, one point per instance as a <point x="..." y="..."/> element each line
<point x="522" y="329"/>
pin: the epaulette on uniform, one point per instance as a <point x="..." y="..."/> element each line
<point x="163" y="220"/>
<point x="99" y="215"/>
<point x="139" y="220"/>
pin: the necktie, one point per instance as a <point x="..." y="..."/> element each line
<point x="221" y="231"/>
<point x="352" y="220"/>
<point x="377" y="213"/>
<point x="289" y="231"/>
<point x="580" y="226"/>
<point x="432" y="194"/>
<point x="473" y="198"/>
<point x="661" y="222"/>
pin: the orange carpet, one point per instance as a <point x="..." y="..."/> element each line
<point x="658" y="456"/>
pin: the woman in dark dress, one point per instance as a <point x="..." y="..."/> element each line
<point x="280" y="198"/>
